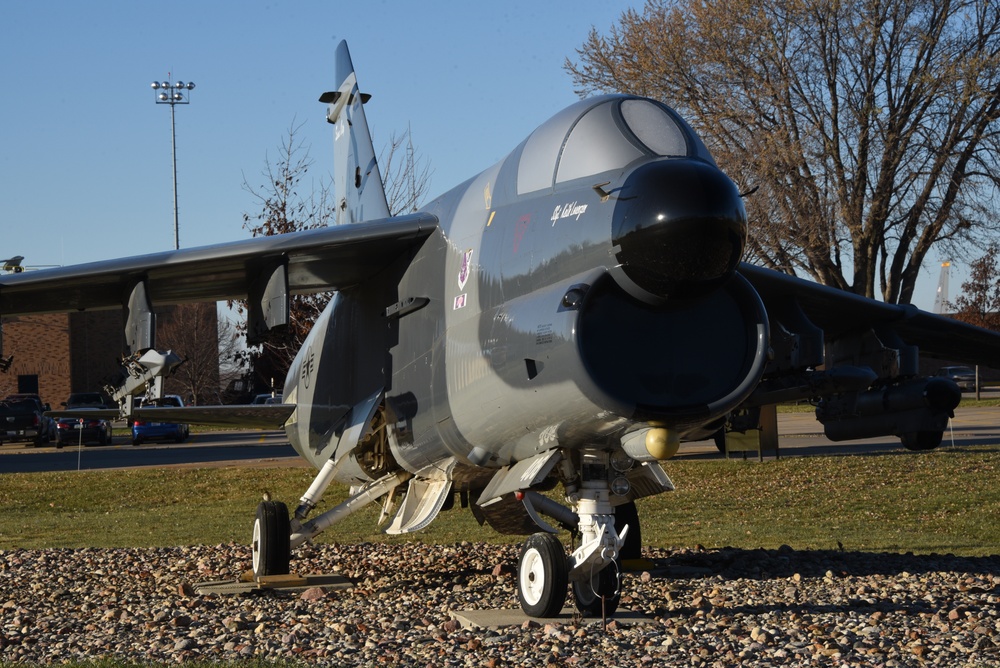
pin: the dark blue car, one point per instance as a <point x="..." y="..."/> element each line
<point x="143" y="431"/>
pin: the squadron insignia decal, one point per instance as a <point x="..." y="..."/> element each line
<point x="465" y="270"/>
<point x="308" y="365"/>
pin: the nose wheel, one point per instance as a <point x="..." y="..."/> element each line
<point x="542" y="576"/>
<point x="271" y="544"/>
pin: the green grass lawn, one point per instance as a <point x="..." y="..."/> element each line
<point x="942" y="501"/>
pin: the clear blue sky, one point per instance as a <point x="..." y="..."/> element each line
<point x="85" y="163"/>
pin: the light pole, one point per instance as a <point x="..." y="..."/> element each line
<point x="173" y="93"/>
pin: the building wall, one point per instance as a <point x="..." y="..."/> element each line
<point x="96" y="348"/>
<point x="82" y="351"/>
<point x="40" y="346"/>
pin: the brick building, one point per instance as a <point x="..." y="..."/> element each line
<point x="59" y="353"/>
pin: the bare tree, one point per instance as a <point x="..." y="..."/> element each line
<point x="284" y="209"/>
<point x="406" y="174"/>
<point x="870" y="128"/>
<point x="979" y="303"/>
<point x="191" y="331"/>
<point x="289" y="203"/>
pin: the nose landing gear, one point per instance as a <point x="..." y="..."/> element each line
<point x="593" y="568"/>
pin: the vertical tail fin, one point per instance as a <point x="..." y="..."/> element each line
<point x="357" y="182"/>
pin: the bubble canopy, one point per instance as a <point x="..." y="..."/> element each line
<point x="600" y="135"/>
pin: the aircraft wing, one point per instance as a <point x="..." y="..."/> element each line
<point x="841" y="313"/>
<point x="318" y="260"/>
<point x="250" y="416"/>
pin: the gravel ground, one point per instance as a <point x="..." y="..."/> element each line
<point x="708" y="608"/>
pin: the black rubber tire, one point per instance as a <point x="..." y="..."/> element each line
<point x="921" y="440"/>
<point x="271" y="544"/>
<point x="628" y="514"/>
<point x="542" y="576"/>
<point x="719" y="438"/>
<point x="607" y="583"/>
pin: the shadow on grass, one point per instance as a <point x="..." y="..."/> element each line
<point x="966" y="444"/>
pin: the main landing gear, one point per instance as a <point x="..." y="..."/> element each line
<point x="272" y="551"/>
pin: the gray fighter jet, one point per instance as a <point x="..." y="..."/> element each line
<point x="566" y="319"/>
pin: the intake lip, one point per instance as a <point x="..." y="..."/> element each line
<point x="679" y="230"/>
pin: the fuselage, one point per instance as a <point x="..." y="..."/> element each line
<point x="562" y="298"/>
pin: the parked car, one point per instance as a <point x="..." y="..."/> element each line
<point x="160" y="431"/>
<point x="73" y="430"/>
<point x="22" y="418"/>
<point x="963" y="376"/>
<point x="263" y="399"/>
<point x="86" y="400"/>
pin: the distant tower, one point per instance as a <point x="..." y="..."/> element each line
<point x="941" y="298"/>
<point x="411" y="178"/>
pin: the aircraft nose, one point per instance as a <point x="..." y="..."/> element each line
<point x="679" y="229"/>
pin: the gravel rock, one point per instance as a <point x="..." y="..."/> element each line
<point x="708" y="608"/>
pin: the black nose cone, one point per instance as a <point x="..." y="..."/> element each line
<point x="680" y="228"/>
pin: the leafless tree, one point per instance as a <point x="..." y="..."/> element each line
<point x="284" y="209"/>
<point x="979" y="303"/>
<point x="869" y="127"/>
<point x="192" y="331"/>
<point x="405" y="173"/>
<point x="290" y="203"/>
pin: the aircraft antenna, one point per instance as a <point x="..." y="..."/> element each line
<point x="941" y="298"/>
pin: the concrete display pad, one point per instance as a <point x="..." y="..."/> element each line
<point x="245" y="585"/>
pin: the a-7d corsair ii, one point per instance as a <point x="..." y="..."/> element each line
<point x="565" y="318"/>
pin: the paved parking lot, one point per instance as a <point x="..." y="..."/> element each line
<point x="799" y="435"/>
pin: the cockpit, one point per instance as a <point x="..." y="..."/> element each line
<point x="600" y="135"/>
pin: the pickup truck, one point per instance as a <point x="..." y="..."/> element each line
<point x="22" y="419"/>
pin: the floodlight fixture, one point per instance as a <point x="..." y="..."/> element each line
<point x="173" y="94"/>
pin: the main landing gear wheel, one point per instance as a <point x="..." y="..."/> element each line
<point x="271" y="545"/>
<point x="542" y="576"/>
<point x="921" y="440"/>
<point x="599" y="595"/>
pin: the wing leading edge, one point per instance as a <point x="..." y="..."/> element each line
<point x="317" y="260"/>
